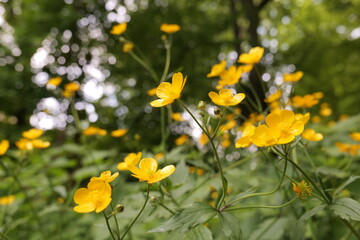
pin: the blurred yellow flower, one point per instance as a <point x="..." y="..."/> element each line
<point x="170" y="28"/>
<point x="151" y="92"/>
<point x="310" y="135"/>
<point x="24" y="144"/>
<point x="325" y="110"/>
<point x="37" y="143"/>
<point x="305" y="101"/>
<point x="177" y="117"/>
<point x="265" y="136"/>
<point x="96" y="197"/>
<point x="352" y="149"/>
<point x="274" y="97"/>
<point x="132" y="159"/>
<point x="159" y="156"/>
<point x="7" y="200"/>
<point x="105" y="177"/>
<point x="72" y="86"/>
<point x="4" y="146"/>
<point x="148" y="171"/>
<point x="217" y="69"/>
<point x="127" y="47"/>
<point x="54" y="81"/>
<point x="118" y="29"/>
<point x="229" y="77"/>
<point x="119" y="132"/>
<point x="254" y="56"/>
<point x="302" y="189"/>
<point x="355" y="136"/>
<point x="226" y="97"/>
<point x="225" y="140"/>
<point x="32" y="133"/>
<point x="181" y="140"/>
<point x="168" y="92"/>
<point x="200" y="172"/>
<point x="316" y="119"/>
<point x="293" y="77"/>
<point x="302" y="117"/>
<point x="203" y="140"/>
<point x="229" y="125"/>
<point x="91" y="131"/>
<point x="246" y="137"/>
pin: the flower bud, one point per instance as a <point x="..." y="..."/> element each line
<point x="217" y="112"/>
<point x="201" y="105"/>
<point x="119" y="208"/>
<point x="154" y="199"/>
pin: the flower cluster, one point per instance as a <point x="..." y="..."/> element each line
<point x="91" y="131"/>
<point x="30" y="140"/>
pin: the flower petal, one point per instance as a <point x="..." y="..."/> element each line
<point x="148" y="164"/>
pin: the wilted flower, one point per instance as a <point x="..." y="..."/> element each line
<point x="302" y="189"/>
<point x="148" y="171"/>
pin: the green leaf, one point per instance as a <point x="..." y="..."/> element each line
<point x="273" y="228"/>
<point x="181" y="174"/>
<point x="196" y="214"/>
<point x="199" y="233"/>
<point x="230" y="225"/>
<point x="342" y="186"/>
<point x="347" y="208"/>
<point x="311" y="213"/>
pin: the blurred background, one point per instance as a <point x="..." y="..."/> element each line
<point x="42" y="39"/>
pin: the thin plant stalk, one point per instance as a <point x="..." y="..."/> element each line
<point x="108" y="225"/>
<point x="264" y="206"/>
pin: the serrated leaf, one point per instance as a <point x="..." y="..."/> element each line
<point x="196" y="214"/>
<point x="230" y="225"/>
<point x="311" y="213"/>
<point x="342" y="186"/>
<point x="347" y="208"/>
<point x="199" y="233"/>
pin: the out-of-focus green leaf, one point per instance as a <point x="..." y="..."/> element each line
<point x="230" y="225"/>
<point x="199" y="233"/>
<point x="346" y="208"/>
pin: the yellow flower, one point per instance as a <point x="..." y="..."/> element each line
<point x="151" y="92"/>
<point x="316" y="119"/>
<point x="254" y="56"/>
<point x="293" y="77"/>
<point x="72" y="87"/>
<point x="310" y="135"/>
<point x="149" y="172"/>
<point x="54" y="81"/>
<point x="24" y="144"/>
<point x="203" y="140"/>
<point x="274" y="97"/>
<point x="118" y="29"/>
<point x="229" y="77"/>
<point x="181" y="140"/>
<point x="229" y="125"/>
<point x="225" y="142"/>
<point x="127" y="47"/>
<point x="302" y="117"/>
<point x="159" y="156"/>
<point x="32" y="133"/>
<point x="306" y="101"/>
<point x="105" y="177"/>
<point x="287" y="124"/>
<point x="325" y="110"/>
<point x="352" y="149"/>
<point x="246" y="138"/>
<point x="355" y="136"/>
<point x="7" y="200"/>
<point x="177" y="117"/>
<point x="4" y="146"/>
<point x="200" y="171"/>
<point x="37" y="143"/>
<point x="90" y="131"/>
<point x="265" y="136"/>
<point x="217" y="69"/>
<point x="170" y="28"/>
<point x="168" y="92"/>
<point x="119" y="133"/>
<point x="226" y="97"/>
<point x="96" y="197"/>
<point x="132" y="159"/>
<point x="302" y="189"/>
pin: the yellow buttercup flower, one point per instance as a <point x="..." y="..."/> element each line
<point x="37" y="143"/>
<point x="229" y="125"/>
<point x="151" y="92"/>
<point x="54" y="81"/>
<point x="325" y="110"/>
<point x="293" y="77"/>
<point x="32" y="133"/>
<point x="246" y="138"/>
<point x="352" y="149"/>
<point x="254" y="56"/>
<point x="118" y="29"/>
<point x="96" y="197"/>
<point x="72" y="86"/>
<point x="132" y="159"/>
<point x="226" y="97"/>
<point x="177" y="117"/>
<point x="274" y="97"/>
<point x="119" y="132"/>
<point x="217" y="69"/>
<point x="168" y="92"/>
<point x="316" y="119"/>
<point x="302" y="117"/>
<point x="91" y="131"/>
<point x="355" y="136"/>
<point x="105" y="177"/>
<point x="7" y="200"/>
<point x="128" y="47"/>
<point x="310" y="135"/>
<point x="148" y="171"/>
<point x="203" y="140"/>
<point x="302" y="189"/>
<point x="225" y="140"/>
<point x="170" y="28"/>
<point x="181" y="140"/>
<point x="305" y="101"/>
<point x="265" y="136"/>
<point x="159" y="156"/>
<point x="24" y="144"/>
<point x="229" y="77"/>
<point x="4" y="146"/>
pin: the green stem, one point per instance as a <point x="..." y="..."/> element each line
<point x="145" y="65"/>
<point x="3" y="236"/>
<point x="263" y="206"/>
<point x="351" y="227"/>
<point x="260" y="79"/>
<point x="223" y="180"/>
<point x="137" y="216"/>
<point x="168" y="209"/>
<point x="75" y="114"/>
<point x="260" y="194"/>
<point x="167" y="44"/>
<point x="108" y="226"/>
<point x="163" y="131"/>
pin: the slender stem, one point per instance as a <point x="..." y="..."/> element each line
<point x="75" y="114"/>
<point x="3" y="236"/>
<point x="168" y="209"/>
<point x="137" y="216"/>
<point x="263" y="206"/>
<point x="260" y="194"/>
<point x="145" y="65"/>
<point x="117" y="224"/>
<point x="260" y="79"/>
<point x="167" y="44"/>
<point x="163" y="131"/>
<point x="223" y="180"/>
<point x="108" y="225"/>
<point x="351" y="227"/>
<point x="169" y="195"/>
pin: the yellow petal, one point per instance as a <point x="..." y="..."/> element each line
<point x="148" y="164"/>
<point x="82" y="196"/>
<point x="102" y="204"/>
<point x="85" y="208"/>
<point x="163" y="173"/>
